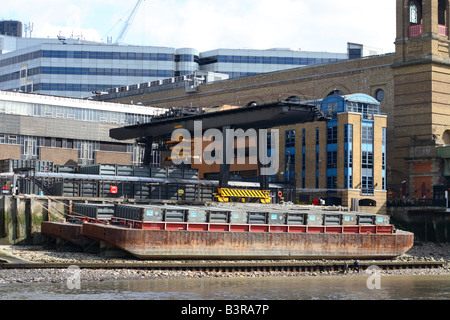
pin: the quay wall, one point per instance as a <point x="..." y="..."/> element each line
<point x="21" y="218"/>
<point x="427" y="223"/>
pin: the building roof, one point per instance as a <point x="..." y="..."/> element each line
<point x="78" y="103"/>
<point x="361" y="97"/>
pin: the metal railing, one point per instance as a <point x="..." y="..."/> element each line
<point x="415" y="30"/>
<point x="441" y="203"/>
<point x="443" y="30"/>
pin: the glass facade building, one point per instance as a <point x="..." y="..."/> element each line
<point x="340" y="159"/>
<point x="367" y="107"/>
<point x="75" y="130"/>
<point x="242" y="62"/>
<point x="76" y="68"/>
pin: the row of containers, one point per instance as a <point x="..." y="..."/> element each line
<point x="207" y="214"/>
<point x="9" y="165"/>
<point x="26" y="186"/>
<point x="92" y="188"/>
<point x="132" y="190"/>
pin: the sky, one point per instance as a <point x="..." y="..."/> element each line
<point x="309" y="25"/>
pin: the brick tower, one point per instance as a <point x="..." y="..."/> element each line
<point x="422" y="98"/>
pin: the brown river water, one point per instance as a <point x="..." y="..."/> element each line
<point x="354" y="287"/>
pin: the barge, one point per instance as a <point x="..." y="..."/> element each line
<point x="232" y="232"/>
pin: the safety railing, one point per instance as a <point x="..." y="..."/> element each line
<point x="415" y="30"/>
<point x="229" y="227"/>
<point x="443" y="30"/>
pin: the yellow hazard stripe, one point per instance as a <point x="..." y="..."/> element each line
<point x="244" y="193"/>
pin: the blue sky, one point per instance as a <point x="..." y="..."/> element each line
<point x="319" y="25"/>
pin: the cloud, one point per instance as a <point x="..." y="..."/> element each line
<point x="320" y="25"/>
<point x="50" y="17"/>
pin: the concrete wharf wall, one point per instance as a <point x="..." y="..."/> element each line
<point x="21" y="216"/>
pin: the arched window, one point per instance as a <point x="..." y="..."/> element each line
<point x="446" y="137"/>
<point x="442" y="18"/>
<point x="442" y="12"/>
<point x="338" y="92"/>
<point x="413" y="13"/>
<point x="415" y="18"/>
<point x="367" y="203"/>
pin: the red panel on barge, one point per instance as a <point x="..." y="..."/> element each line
<point x="184" y="244"/>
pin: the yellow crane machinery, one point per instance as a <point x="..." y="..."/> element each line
<point x="242" y="195"/>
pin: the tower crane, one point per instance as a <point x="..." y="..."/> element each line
<point x="128" y="22"/>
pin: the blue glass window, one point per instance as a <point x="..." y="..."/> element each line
<point x="46" y="54"/>
<point x="332" y="135"/>
<point x="331" y="159"/>
<point x="290" y="138"/>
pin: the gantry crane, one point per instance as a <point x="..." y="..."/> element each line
<point x="127" y="24"/>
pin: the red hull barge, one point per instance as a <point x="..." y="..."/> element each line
<point x="168" y="240"/>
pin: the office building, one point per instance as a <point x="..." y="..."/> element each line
<point x="67" y="131"/>
<point x="77" y="68"/>
<point x="339" y="160"/>
<point x="246" y="62"/>
<point x="412" y="86"/>
<point x="11" y="28"/>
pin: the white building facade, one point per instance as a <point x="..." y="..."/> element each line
<point x="245" y="62"/>
<point x="77" y="68"/>
<point x="66" y="130"/>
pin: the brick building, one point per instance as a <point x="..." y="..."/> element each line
<point x="341" y="160"/>
<point x="412" y="86"/>
<point x="421" y="109"/>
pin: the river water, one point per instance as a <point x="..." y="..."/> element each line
<point x="355" y="287"/>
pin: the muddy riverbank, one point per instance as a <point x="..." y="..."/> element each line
<point x="33" y="254"/>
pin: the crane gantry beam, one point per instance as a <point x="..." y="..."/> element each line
<point x="128" y="22"/>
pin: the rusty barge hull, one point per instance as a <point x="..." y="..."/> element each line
<point x="69" y="232"/>
<point x="182" y="244"/>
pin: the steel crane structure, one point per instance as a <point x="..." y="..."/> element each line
<point x="128" y="22"/>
